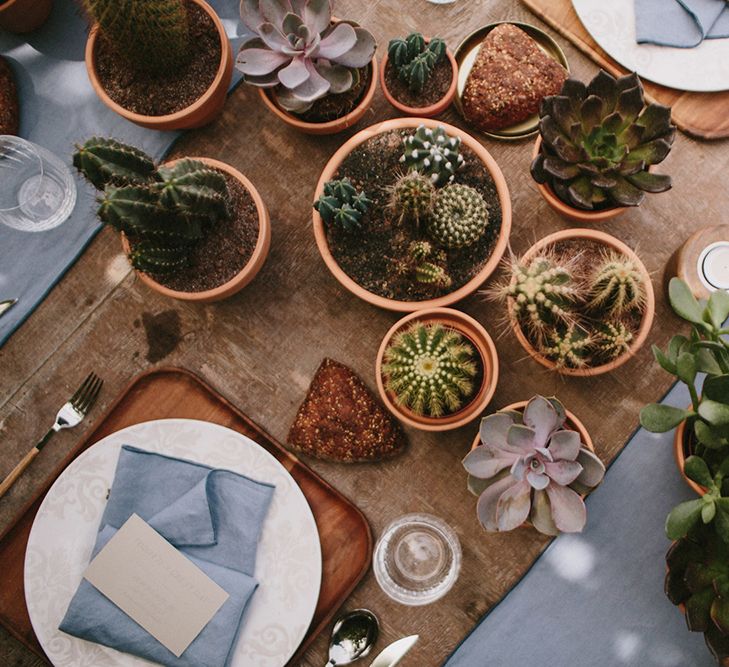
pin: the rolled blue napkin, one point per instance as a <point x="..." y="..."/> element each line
<point x="212" y="516"/>
<point x="680" y="23"/>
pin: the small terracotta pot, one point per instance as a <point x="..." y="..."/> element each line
<point x="331" y="126"/>
<point x="201" y="112"/>
<point x="478" y="337"/>
<point x="456" y="295"/>
<point x="247" y="273"/>
<point x="680" y="446"/>
<point x="648" y="310"/>
<point x="423" y="112"/>
<point x="22" y="16"/>
<point x="571" y="212"/>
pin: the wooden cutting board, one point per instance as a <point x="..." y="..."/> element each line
<point x="346" y="539"/>
<point x="702" y="115"/>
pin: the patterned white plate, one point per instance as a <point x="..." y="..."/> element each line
<point x="611" y="23"/>
<point x="288" y="565"/>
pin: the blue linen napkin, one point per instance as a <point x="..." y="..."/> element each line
<point x="212" y="516"/>
<point x="680" y="23"/>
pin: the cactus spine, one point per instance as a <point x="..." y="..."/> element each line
<point x="460" y="216"/>
<point x="414" y="61"/>
<point x="433" y="153"/>
<point x="613" y="339"/>
<point x="568" y="346"/>
<point x="341" y="205"/>
<point x="411" y="197"/>
<point x="616" y="286"/>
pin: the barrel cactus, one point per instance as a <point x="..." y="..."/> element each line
<point x="599" y="141"/>
<point x="612" y="339"/>
<point x="411" y="197"/>
<point x="568" y="346"/>
<point x="430" y="369"/>
<point x="414" y="60"/>
<point x="616" y="285"/>
<point x="460" y="216"/>
<point x="433" y="153"/>
<point x="341" y="205"/>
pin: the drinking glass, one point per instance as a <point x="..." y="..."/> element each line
<point x="417" y="559"/>
<point x="37" y="191"/>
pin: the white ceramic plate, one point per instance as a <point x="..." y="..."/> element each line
<point x="288" y="565"/>
<point x="612" y="25"/>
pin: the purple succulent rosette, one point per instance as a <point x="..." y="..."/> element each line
<point x="298" y="52"/>
<point x="528" y="466"/>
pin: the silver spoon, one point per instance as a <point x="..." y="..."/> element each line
<point x="353" y="637"/>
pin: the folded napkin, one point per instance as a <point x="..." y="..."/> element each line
<point x="680" y="23"/>
<point x="212" y="516"/>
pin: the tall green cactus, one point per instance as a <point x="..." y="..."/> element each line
<point x="151" y="35"/>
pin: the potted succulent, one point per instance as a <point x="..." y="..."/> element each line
<point x="195" y="229"/>
<point x="412" y="214"/>
<point x="436" y="369"/>
<point x="315" y="72"/>
<point x="596" y="146"/>
<point x="162" y="64"/>
<point x="23" y="16"/>
<point x="419" y="76"/>
<point x="703" y="427"/>
<point x="533" y="462"/>
<point x="579" y="301"/>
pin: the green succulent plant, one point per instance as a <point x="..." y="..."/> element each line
<point x="599" y="141"/>
<point x="430" y="369"/>
<point x="612" y="339"/>
<point x="412" y="197"/>
<point x="342" y="206"/>
<point x="568" y="346"/>
<point x="434" y="153"/>
<point x="425" y="264"/>
<point x="163" y="210"/>
<point x="460" y="216"/>
<point x="414" y="60"/>
<point x="616" y="285"/>
<point x="151" y="35"/>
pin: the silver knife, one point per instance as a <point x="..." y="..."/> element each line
<point x="5" y="306"/>
<point x="395" y="652"/>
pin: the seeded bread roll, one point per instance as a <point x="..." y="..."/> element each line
<point x="8" y="99"/>
<point x="510" y="77"/>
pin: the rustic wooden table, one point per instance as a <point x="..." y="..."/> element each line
<point x="262" y="347"/>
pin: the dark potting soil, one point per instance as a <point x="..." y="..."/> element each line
<point x="332" y="107"/>
<point x="226" y="248"/>
<point x="151" y="95"/>
<point x="434" y="90"/>
<point x="370" y="256"/>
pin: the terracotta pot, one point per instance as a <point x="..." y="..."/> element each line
<point x="570" y="212"/>
<point x="331" y="126"/>
<point x="201" y="112"/>
<point x="247" y="273"/>
<point x="423" y="112"/>
<point x="456" y="295"/>
<point x="648" y="311"/>
<point x="479" y="338"/>
<point x="680" y="447"/>
<point x="24" y="15"/>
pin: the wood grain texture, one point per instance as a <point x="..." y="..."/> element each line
<point x="703" y="115"/>
<point x="262" y="347"/>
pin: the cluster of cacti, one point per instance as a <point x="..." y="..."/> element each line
<point x="459" y="217"/>
<point x="433" y="153"/>
<point x="341" y="205"/>
<point x="414" y="60"/>
<point x="430" y="369"/>
<point x="424" y="264"/>
<point x="151" y="36"/>
<point x="411" y="197"/>
<point x="576" y="313"/>
<point x="163" y="211"/>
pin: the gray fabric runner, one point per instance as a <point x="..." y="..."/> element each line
<point x="680" y="23"/>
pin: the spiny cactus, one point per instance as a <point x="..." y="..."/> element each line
<point x="430" y="369"/>
<point x="425" y="264"/>
<point x="411" y="197"/>
<point x="433" y="153"/>
<point x="616" y="285"/>
<point x="341" y="205"/>
<point x="152" y="35"/>
<point x="460" y="216"/>
<point x="612" y="339"/>
<point x="568" y="346"/>
<point x="163" y="210"/>
<point x="420" y="250"/>
<point x="413" y="60"/>
<point x="432" y="274"/>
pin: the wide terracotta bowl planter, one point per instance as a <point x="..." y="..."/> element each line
<point x="478" y="337"/>
<point x="423" y="112"/>
<point x="201" y="112"/>
<point x="23" y="16"/>
<point x="680" y="445"/>
<point x="571" y="212"/>
<point x="330" y="126"/>
<point x="247" y="273"/>
<point x="447" y="299"/>
<point x="649" y="309"/>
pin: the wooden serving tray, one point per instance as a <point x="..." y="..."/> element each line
<point x="346" y="539"/>
<point x="703" y="115"/>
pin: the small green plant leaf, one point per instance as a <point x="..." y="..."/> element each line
<point x="661" y="418"/>
<point x="708" y="512"/>
<point x="696" y="469"/>
<point x="706" y="361"/>
<point x="717" y="414"/>
<point x="718" y="307"/>
<point x="708" y="436"/>
<point x="664" y="361"/>
<point x="684" y="303"/>
<point x="682" y="518"/>
<point x="716" y="388"/>
<point x="686" y="367"/>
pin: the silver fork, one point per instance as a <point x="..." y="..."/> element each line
<point x="70" y="414"/>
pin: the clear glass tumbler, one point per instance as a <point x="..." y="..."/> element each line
<point x="417" y="559"/>
<point x="37" y="190"/>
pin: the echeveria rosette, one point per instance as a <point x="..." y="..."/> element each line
<point x="528" y="466"/>
<point x="599" y="140"/>
<point x="299" y="52"/>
